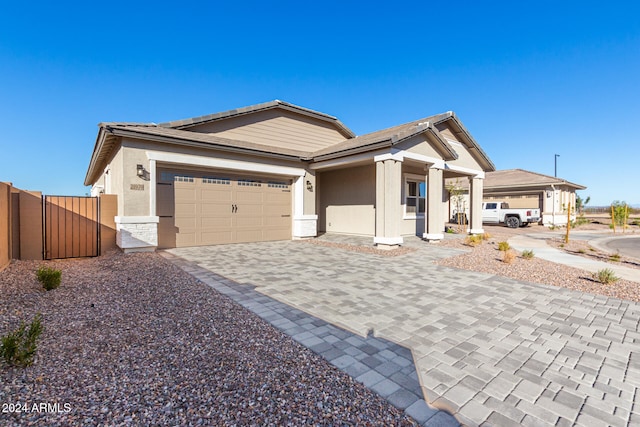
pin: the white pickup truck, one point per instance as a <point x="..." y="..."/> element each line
<point x="500" y="213"/>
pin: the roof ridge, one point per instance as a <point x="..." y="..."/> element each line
<point x="184" y="123"/>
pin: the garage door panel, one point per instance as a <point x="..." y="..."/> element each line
<point x="245" y="222"/>
<point x="185" y="239"/>
<point x="217" y="222"/>
<point x="185" y="194"/>
<point x="220" y="195"/>
<point x="216" y="209"/>
<point x="277" y="234"/>
<point x="249" y="197"/>
<point x="271" y="210"/>
<point x="277" y="198"/>
<point x="209" y="208"/>
<point x="186" y="209"/>
<point x="216" y="237"/>
<point x="245" y="236"/>
<point x="277" y="221"/>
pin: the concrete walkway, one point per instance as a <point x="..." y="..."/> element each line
<point x="490" y="350"/>
<point x="537" y="243"/>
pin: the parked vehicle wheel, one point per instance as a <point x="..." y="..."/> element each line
<point x="513" y="222"/>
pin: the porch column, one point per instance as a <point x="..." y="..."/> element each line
<point x="434" y="222"/>
<point x="475" y="196"/>
<point x="305" y="220"/>
<point x="388" y="203"/>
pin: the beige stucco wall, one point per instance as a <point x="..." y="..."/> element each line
<point x="347" y="200"/>
<point x="134" y="192"/>
<point x="5" y="225"/>
<point x="276" y="127"/>
<point x="30" y="225"/>
<point x="419" y="145"/>
<point x="310" y="195"/>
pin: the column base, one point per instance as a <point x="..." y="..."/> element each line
<point x="476" y="231"/>
<point x="305" y="226"/>
<point x="433" y="236"/>
<point x="137" y="233"/>
<point x="390" y="242"/>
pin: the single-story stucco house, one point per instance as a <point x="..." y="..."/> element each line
<point x="525" y="189"/>
<point x="277" y="171"/>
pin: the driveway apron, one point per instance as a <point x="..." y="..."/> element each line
<point x="486" y="349"/>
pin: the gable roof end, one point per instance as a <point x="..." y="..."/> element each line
<point x="476" y="151"/>
<point x="390" y="137"/>
<point x="187" y="123"/>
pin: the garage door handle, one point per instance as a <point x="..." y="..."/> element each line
<point x="234" y="208"/>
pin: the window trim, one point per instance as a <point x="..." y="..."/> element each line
<point x="406" y="178"/>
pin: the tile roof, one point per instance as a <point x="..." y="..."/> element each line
<point x="186" y="123"/>
<point x="523" y="178"/>
<point x="151" y="130"/>
<point x="178" y="132"/>
<point x="392" y="135"/>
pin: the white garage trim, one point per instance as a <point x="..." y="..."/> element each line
<point x="212" y="162"/>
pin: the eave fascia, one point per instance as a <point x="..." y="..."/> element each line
<point x="97" y="149"/>
<point x="351" y="151"/>
<point x="200" y="144"/>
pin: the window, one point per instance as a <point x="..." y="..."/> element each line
<point x="414" y="196"/>
<point x="212" y="180"/>
<point x="249" y="183"/>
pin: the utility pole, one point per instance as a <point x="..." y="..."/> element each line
<point x="555" y="169"/>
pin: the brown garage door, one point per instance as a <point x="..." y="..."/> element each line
<point x="202" y="208"/>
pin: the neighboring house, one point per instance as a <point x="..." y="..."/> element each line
<point x="277" y="171"/>
<point x="525" y="189"/>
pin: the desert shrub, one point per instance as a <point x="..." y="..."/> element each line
<point x="580" y="220"/>
<point x="474" y="240"/>
<point x="527" y="254"/>
<point x="615" y="257"/>
<point x="19" y="346"/>
<point x="504" y="246"/>
<point x="486" y="236"/>
<point x="49" y="277"/>
<point x="582" y="251"/>
<point x="509" y="257"/>
<point x="606" y="276"/>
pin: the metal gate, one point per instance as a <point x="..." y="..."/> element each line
<point x="71" y="227"/>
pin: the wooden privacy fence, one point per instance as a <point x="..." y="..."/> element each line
<point x="71" y="227"/>
<point x="50" y="227"/>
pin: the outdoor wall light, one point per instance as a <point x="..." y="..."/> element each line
<point x="309" y="186"/>
<point x="140" y="171"/>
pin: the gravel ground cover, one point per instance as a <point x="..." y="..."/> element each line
<point x="133" y="340"/>
<point x="488" y="259"/>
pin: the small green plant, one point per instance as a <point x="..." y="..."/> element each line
<point x="509" y="257"/>
<point x="450" y="230"/>
<point x="605" y="276"/>
<point x="474" y="240"/>
<point x="49" y="277"/>
<point x="527" y="254"/>
<point x="561" y="245"/>
<point x="615" y="257"/>
<point x="503" y="246"/>
<point x="19" y="347"/>
<point x="582" y="251"/>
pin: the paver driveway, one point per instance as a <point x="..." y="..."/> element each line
<point x="486" y="348"/>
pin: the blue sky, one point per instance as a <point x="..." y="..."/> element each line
<point x="528" y="79"/>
